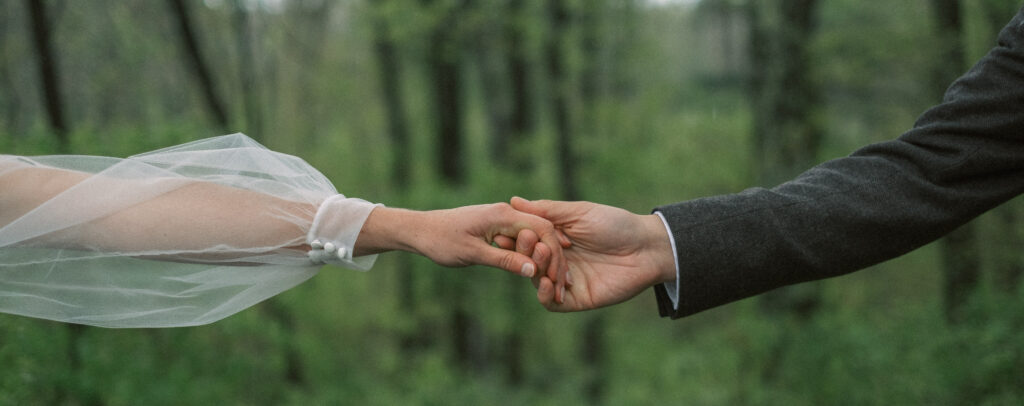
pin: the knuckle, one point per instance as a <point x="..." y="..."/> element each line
<point x="507" y="261"/>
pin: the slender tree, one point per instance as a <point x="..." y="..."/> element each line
<point x="518" y="93"/>
<point x="49" y="77"/>
<point x="443" y="62"/>
<point x="52" y="97"/>
<point x="785" y="132"/>
<point x="785" y="98"/>
<point x="592" y="346"/>
<point x="390" y="81"/>
<point x="247" y="71"/>
<point x="197" y="64"/>
<point x="490" y="62"/>
<point x="960" y="257"/>
<point x="559" y="87"/>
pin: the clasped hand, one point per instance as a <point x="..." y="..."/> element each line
<point x="579" y="255"/>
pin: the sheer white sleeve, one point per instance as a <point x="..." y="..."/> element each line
<point x="181" y="236"/>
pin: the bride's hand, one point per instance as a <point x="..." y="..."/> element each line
<point x="463" y="236"/>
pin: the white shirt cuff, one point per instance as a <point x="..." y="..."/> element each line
<point x="672" y="288"/>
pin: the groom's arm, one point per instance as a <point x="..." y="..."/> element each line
<point x="962" y="158"/>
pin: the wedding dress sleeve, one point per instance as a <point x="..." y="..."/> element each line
<point x="181" y="236"/>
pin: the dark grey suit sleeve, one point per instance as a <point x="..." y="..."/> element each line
<point x="962" y="158"/>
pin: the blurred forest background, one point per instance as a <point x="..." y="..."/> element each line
<point x="439" y="103"/>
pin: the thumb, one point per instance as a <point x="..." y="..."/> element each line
<point x="555" y="211"/>
<point x="511" y="261"/>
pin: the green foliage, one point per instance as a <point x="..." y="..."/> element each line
<point x="670" y="122"/>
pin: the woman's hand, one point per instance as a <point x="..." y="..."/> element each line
<point x="463" y="236"/>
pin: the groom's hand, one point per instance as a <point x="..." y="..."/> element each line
<point x="614" y="255"/>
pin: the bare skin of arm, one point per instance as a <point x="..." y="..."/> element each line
<point x="198" y="215"/>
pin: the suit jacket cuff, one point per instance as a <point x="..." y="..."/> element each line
<point x="668" y="293"/>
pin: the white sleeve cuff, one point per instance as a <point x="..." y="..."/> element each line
<point x="672" y="288"/>
<point x="335" y="229"/>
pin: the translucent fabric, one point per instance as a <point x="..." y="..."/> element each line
<point x="181" y="236"/>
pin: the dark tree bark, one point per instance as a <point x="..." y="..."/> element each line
<point x="522" y="120"/>
<point x="490" y="61"/>
<point x="388" y="66"/>
<point x="591" y="22"/>
<point x="48" y="72"/>
<point x="960" y="257"/>
<point x="197" y="64"/>
<point x="8" y="96"/>
<point x="247" y="72"/>
<point x="443" y="61"/>
<point x="785" y="99"/>
<point x="390" y="80"/>
<point x="49" y="78"/>
<point x="558" y="83"/>
<point x="592" y="347"/>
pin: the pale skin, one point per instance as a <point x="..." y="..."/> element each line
<point x="614" y="256"/>
<point x="463" y="236"/>
<point x="201" y="214"/>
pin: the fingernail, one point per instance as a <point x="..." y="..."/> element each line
<point x="568" y="278"/>
<point x="563" y="294"/>
<point x="527" y="270"/>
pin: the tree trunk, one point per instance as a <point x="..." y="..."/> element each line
<point x="785" y="99"/>
<point x="443" y="61"/>
<point x="489" y="60"/>
<point x="558" y="83"/>
<point x="592" y="348"/>
<point x="522" y="120"/>
<point x="197" y="64"/>
<point x="48" y="72"/>
<point x="391" y="87"/>
<point x="390" y="79"/>
<point x="247" y="72"/>
<point x="960" y="258"/>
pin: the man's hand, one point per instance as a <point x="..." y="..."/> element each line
<point x="463" y="236"/>
<point x="614" y="255"/>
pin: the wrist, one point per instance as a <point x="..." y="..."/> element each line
<point x="389" y="229"/>
<point x="658" y="243"/>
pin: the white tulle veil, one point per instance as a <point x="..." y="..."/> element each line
<point x="181" y="236"/>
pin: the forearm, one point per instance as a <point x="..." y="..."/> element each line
<point x="188" y="217"/>
<point x="389" y="229"/>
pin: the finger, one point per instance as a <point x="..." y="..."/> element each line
<point x="546" y="293"/>
<point x="560" y="265"/>
<point x="542" y="257"/>
<point x="504" y="242"/>
<point x="564" y="239"/>
<point x="548" y="236"/>
<point x="511" y="261"/>
<point x="525" y="242"/>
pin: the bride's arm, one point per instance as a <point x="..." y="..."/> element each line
<point x="192" y="218"/>
<point x="189" y="218"/>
